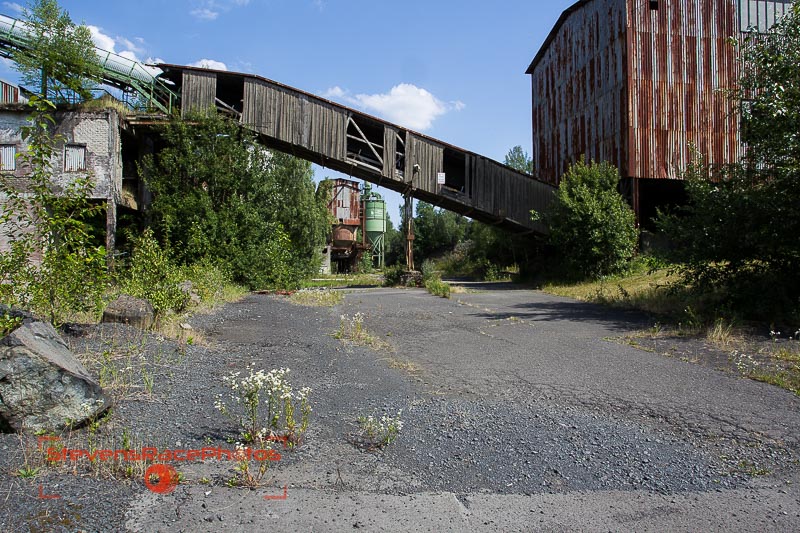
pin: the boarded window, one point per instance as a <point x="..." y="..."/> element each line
<point x="8" y="157"/>
<point x="74" y="158"/>
<point x="760" y="15"/>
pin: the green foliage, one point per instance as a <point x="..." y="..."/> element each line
<point x="219" y="195"/>
<point x="518" y="159"/>
<point x="436" y="230"/>
<point x="53" y="266"/>
<point x="437" y="287"/>
<point x="8" y="323"/>
<point x="365" y="266"/>
<point x="150" y="274"/>
<point x="395" y="240"/>
<point x="393" y="275"/>
<point x="61" y="60"/>
<point x="738" y="236"/>
<point x="208" y="280"/>
<point x="591" y="226"/>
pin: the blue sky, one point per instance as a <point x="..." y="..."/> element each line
<point x="454" y="70"/>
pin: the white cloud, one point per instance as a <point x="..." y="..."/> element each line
<point x="13" y="6"/>
<point x="334" y="92"/>
<point x="204" y="13"/>
<point x="118" y="45"/>
<point x="124" y="47"/>
<point x="130" y="45"/>
<point x="209" y="10"/>
<point x="404" y="104"/>
<point x="101" y="40"/>
<point x="210" y="64"/>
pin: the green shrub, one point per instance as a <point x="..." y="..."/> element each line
<point x="429" y="271"/>
<point x="150" y="274"/>
<point x="208" y="280"/>
<point x="592" y="228"/>
<point x="437" y="287"/>
<point x="393" y="275"/>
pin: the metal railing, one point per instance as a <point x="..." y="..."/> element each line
<point x="120" y="72"/>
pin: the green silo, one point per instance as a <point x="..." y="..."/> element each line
<point x="375" y="223"/>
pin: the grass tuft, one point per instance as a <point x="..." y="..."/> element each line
<point x="316" y="297"/>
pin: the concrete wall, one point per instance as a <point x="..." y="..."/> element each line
<point x="98" y="131"/>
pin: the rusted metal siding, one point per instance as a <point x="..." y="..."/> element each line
<point x="344" y="203"/>
<point x="579" y="89"/>
<point x="199" y="92"/>
<point x="681" y="66"/>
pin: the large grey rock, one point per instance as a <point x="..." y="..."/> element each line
<point x="42" y="385"/>
<point x="129" y="310"/>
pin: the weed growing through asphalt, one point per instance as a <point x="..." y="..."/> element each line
<point x="264" y="405"/>
<point x="380" y="432"/>
<point x="437" y="287"/>
<point x="245" y="477"/>
<point x="351" y="328"/>
<point x="316" y="297"/>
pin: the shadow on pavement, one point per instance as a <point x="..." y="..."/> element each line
<point x="554" y="311"/>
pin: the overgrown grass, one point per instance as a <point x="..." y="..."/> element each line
<point x="651" y="291"/>
<point x="776" y="365"/>
<point x="316" y="297"/>
<point x="344" y="280"/>
<point x="352" y="329"/>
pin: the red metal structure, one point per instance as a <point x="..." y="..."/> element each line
<point x="644" y="85"/>
<point x="347" y="235"/>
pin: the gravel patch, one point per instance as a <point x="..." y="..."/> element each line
<point x="515" y="443"/>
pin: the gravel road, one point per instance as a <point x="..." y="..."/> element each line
<point x="519" y="413"/>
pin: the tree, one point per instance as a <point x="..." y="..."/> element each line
<point x="53" y="267"/>
<point x="61" y="57"/>
<point x="518" y="159"/>
<point x="738" y="235"/>
<point x="218" y="195"/>
<point x="592" y="228"/>
<point x="436" y="230"/>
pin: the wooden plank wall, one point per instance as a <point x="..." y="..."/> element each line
<point x="295" y="118"/>
<point x="430" y="158"/>
<point x="389" y="152"/>
<point x="505" y="193"/>
<point x="199" y="92"/>
<point x="320" y="128"/>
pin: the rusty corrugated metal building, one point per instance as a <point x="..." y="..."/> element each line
<point x="642" y="84"/>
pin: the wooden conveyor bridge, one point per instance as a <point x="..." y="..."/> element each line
<point x="329" y="134"/>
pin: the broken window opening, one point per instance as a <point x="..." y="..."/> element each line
<point x="365" y="143"/>
<point x="400" y="155"/>
<point x="455" y="169"/>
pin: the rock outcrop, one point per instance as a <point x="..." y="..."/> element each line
<point x="42" y="384"/>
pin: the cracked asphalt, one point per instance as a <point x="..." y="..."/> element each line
<point x="520" y="414"/>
